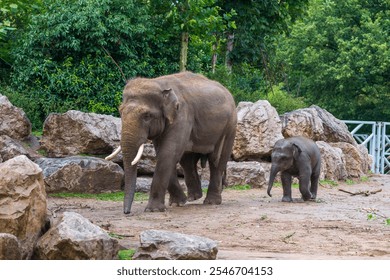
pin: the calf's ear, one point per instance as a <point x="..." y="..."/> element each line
<point x="170" y="104"/>
<point x="296" y="150"/>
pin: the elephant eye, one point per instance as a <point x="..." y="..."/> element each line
<point x="147" y="116"/>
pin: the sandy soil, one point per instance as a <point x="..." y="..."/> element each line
<point x="250" y="225"/>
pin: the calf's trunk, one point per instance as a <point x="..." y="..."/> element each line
<point x="274" y="171"/>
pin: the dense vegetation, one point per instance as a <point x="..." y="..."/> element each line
<point x="77" y="54"/>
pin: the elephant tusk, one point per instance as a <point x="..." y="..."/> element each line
<point x="110" y="157"/>
<point x="139" y="155"/>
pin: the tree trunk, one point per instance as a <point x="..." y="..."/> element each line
<point x="184" y="51"/>
<point x="229" y="49"/>
<point x="215" y="54"/>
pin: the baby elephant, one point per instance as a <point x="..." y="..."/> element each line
<point x="296" y="156"/>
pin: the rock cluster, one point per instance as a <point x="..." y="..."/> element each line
<point x="26" y="231"/>
<point x="22" y="202"/>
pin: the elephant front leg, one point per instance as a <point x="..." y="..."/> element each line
<point x="286" y="183"/>
<point x="161" y="180"/>
<point x="177" y="196"/>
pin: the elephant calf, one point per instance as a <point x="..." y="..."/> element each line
<point x="296" y="156"/>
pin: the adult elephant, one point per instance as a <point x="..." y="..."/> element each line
<point x="188" y="117"/>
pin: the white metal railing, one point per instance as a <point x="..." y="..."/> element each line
<point x="376" y="139"/>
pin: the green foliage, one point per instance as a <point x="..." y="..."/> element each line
<point x="77" y="55"/>
<point x="284" y="101"/>
<point x="244" y="82"/>
<point x="14" y="16"/>
<point x="339" y="58"/>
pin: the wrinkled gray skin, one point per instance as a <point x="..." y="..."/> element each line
<point x="296" y="156"/>
<point x="188" y="118"/>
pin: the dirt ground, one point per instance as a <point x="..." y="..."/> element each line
<point x="250" y="225"/>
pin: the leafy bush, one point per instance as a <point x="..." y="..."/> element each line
<point x="283" y="101"/>
<point x="247" y="84"/>
<point x="339" y="57"/>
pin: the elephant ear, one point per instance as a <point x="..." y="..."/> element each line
<point x="170" y="104"/>
<point x="296" y="150"/>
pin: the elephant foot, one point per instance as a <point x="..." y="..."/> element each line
<point x="287" y="199"/>
<point x="155" y="207"/>
<point x="177" y="201"/>
<point x="194" y="196"/>
<point x="214" y="199"/>
<point x="307" y="197"/>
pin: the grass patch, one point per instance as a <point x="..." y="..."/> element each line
<point x="239" y="187"/>
<point x="37" y="133"/>
<point x="115" y="196"/>
<point x="328" y="183"/>
<point x="126" y="254"/>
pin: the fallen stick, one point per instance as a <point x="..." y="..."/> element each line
<point x="366" y="193"/>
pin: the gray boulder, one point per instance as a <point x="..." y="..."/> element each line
<point x="10" y="148"/>
<point x="165" y="245"/>
<point x="13" y="120"/>
<point x="81" y="174"/>
<point x="258" y="128"/>
<point x="73" y="237"/>
<point x="9" y="247"/>
<point x="332" y="162"/>
<point x="357" y="162"/>
<point x="74" y="133"/>
<point x="317" y="124"/>
<point x="241" y="173"/>
<point x="22" y="202"/>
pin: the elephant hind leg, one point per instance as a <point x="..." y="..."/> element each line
<point x="218" y="162"/>
<point x="177" y="196"/>
<point x="315" y="177"/>
<point x="189" y="163"/>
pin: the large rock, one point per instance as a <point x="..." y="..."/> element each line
<point x="73" y="237"/>
<point x="355" y="159"/>
<point x="9" y="247"/>
<point x="13" y="120"/>
<point x="81" y="174"/>
<point x="22" y="202"/>
<point x="332" y="162"/>
<point x="165" y="245"/>
<point x="249" y="173"/>
<point x="74" y="133"/>
<point x="258" y="128"/>
<point x="317" y="124"/>
<point x="10" y="148"/>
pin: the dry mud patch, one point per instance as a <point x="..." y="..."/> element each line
<point x="250" y="225"/>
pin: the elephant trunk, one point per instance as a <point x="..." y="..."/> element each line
<point x="130" y="144"/>
<point x="274" y="171"/>
<point x="130" y="185"/>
